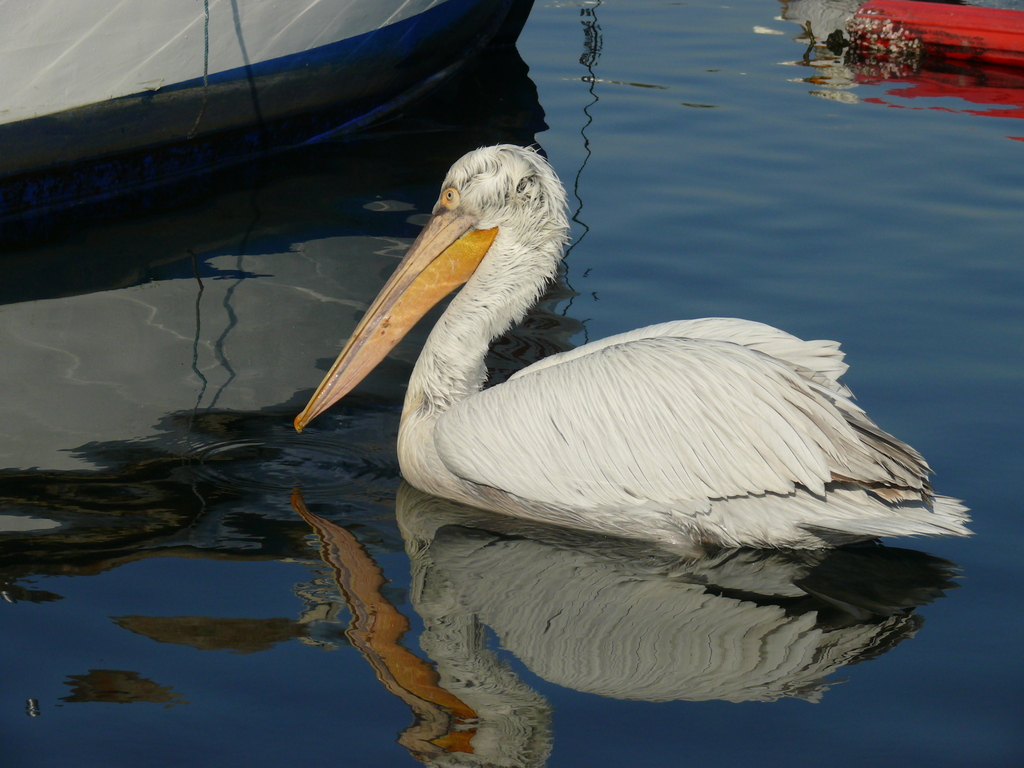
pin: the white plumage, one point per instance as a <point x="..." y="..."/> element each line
<point x="669" y="432"/>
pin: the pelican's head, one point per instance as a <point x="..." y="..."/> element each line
<point x="510" y="188"/>
<point x="502" y="211"/>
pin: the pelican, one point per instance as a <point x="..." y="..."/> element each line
<point x="684" y="433"/>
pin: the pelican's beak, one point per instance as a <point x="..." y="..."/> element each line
<point x="442" y="258"/>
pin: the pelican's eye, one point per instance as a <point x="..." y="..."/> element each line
<point x="450" y="198"/>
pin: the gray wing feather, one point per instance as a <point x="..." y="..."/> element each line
<point x="663" y="419"/>
<point x="819" y="360"/>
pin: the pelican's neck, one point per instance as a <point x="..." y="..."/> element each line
<point x="508" y="282"/>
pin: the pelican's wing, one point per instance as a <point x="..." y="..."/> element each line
<point x="666" y="420"/>
<point x="819" y="360"/>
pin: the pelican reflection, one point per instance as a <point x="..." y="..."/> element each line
<point x="623" y="619"/>
<point x="619" y="618"/>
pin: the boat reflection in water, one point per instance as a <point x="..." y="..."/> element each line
<point x="132" y="330"/>
<point x="986" y="90"/>
<point x="608" y="616"/>
<point x="146" y="416"/>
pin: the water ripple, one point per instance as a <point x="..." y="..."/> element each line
<point x="357" y="460"/>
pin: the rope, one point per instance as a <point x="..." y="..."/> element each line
<point x="206" y="66"/>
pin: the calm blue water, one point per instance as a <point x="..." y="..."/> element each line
<point x="167" y="606"/>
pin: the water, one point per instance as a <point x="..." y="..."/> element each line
<point x="166" y="605"/>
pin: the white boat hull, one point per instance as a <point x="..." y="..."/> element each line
<point x="60" y="55"/>
<point x="86" y="82"/>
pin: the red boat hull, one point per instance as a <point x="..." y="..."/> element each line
<point x="951" y="31"/>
